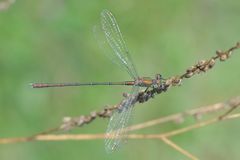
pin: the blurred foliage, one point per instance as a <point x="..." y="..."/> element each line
<point x="52" y="41"/>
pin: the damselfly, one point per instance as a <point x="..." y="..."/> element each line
<point x="119" y="55"/>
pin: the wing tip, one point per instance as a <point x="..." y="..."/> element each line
<point x="111" y="145"/>
<point x="104" y="11"/>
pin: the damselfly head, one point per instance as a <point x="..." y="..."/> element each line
<point x="158" y="77"/>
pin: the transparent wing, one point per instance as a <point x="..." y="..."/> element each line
<point x="120" y="54"/>
<point x="118" y="121"/>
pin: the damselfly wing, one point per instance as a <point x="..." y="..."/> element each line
<point x="120" y="55"/>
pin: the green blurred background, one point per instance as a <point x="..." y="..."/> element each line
<point x="52" y="41"/>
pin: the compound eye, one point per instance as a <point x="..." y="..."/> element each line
<point x="158" y="76"/>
